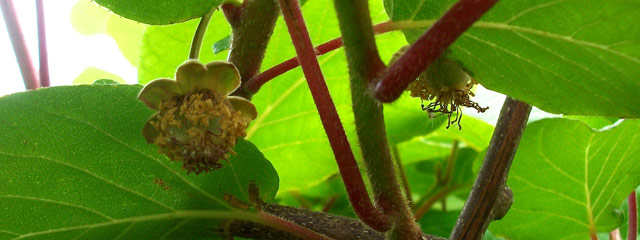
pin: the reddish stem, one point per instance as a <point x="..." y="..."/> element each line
<point x="254" y="84"/>
<point x="42" y="46"/>
<point x="19" y="45"/>
<point x="633" y="217"/>
<point x="330" y="120"/>
<point x="429" y="47"/>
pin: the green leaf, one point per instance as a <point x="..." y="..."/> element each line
<point x="439" y="223"/>
<point x="568" y="180"/>
<point x="157" y="13"/>
<point x="595" y="122"/>
<point x="105" y="82"/>
<point x="91" y="74"/>
<point x="78" y="167"/>
<point x="404" y="119"/>
<point x="563" y="56"/>
<point x="222" y="44"/>
<point x="164" y="48"/>
<point x="475" y="132"/>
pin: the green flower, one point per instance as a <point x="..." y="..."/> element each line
<point x="197" y="123"/>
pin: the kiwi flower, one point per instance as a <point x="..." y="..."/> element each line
<point x="197" y="123"/>
<point x="446" y="84"/>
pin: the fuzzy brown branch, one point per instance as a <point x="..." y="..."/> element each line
<point x="333" y="226"/>
<point x="490" y="184"/>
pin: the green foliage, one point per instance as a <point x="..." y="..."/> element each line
<point x="571" y="57"/>
<point x="78" y="167"/>
<point x="158" y="13"/>
<point x="222" y="44"/>
<point x="568" y="191"/>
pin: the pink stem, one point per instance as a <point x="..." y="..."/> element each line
<point x="254" y="84"/>
<point x="19" y="45"/>
<point x="42" y="46"/>
<point x="633" y="217"/>
<point x="349" y="171"/>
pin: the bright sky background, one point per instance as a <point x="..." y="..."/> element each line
<point x="69" y="51"/>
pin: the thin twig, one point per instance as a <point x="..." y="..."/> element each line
<point x="476" y="213"/>
<point x="254" y="84"/>
<point x="429" y="47"/>
<point x="196" y="44"/>
<point x="29" y="76"/>
<point x="42" y="46"/>
<point x="633" y="217"/>
<point x="347" y="165"/>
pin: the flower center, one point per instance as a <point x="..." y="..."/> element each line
<point x="200" y="129"/>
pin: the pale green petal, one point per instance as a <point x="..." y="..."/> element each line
<point x="157" y="91"/>
<point x="222" y="77"/>
<point x="242" y="105"/>
<point x="190" y="75"/>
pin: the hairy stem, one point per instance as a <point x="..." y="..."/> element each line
<point x="42" y="46"/>
<point x="333" y="226"/>
<point x="491" y="179"/>
<point x="403" y="176"/>
<point x="29" y="76"/>
<point x="330" y="120"/>
<point x="633" y="217"/>
<point x="364" y="65"/>
<point x="196" y="44"/>
<point x="252" y="25"/>
<point x="429" y="47"/>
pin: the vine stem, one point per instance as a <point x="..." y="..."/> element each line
<point x="429" y="47"/>
<point x="198" y="36"/>
<point x="347" y="165"/>
<point x="632" y="234"/>
<point x="254" y="84"/>
<point x="42" y="46"/>
<point x="365" y="65"/>
<point x="252" y="25"/>
<point x="27" y="70"/>
<point x="476" y="212"/>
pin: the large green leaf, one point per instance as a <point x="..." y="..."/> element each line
<point x="74" y="165"/>
<point x="568" y="180"/>
<point x="563" y="56"/>
<point x="160" y="12"/>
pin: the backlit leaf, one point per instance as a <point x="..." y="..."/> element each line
<point x="568" y="180"/>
